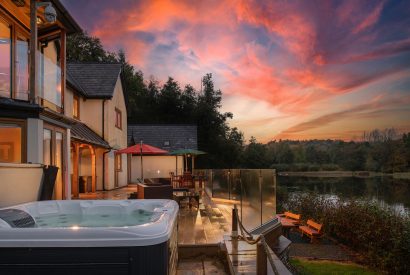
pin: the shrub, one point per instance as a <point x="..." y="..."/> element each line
<point x="377" y="232"/>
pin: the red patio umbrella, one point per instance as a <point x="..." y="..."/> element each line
<point x="142" y="149"/>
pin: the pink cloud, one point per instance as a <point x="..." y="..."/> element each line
<point x="370" y="19"/>
<point x="292" y="55"/>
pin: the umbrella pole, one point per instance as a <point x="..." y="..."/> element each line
<point x="186" y="163"/>
<point x="142" y="169"/>
<point x="176" y="165"/>
<point x="193" y="163"/>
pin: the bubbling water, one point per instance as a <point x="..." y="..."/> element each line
<point x="57" y="220"/>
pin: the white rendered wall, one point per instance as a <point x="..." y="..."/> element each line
<point x="155" y="166"/>
<point x="19" y="183"/>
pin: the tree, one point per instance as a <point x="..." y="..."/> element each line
<point x="255" y="155"/>
<point x="84" y="48"/>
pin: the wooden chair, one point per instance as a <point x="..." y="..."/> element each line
<point x="312" y="230"/>
<point x="175" y="180"/>
<point x="187" y="181"/>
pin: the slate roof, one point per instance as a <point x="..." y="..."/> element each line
<point x="74" y="84"/>
<point x="18" y="109"/>
<point x="169" y="137"/>
<point x="93" y="80"/>
<point x="82" y="132"/>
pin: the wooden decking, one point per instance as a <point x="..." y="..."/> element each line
<point x="242" y="257"/>
<point x="205" y="225"/>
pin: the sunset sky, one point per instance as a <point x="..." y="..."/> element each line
<point x="287" y="69"/>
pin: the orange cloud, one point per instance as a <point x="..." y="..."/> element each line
<point x="294" y="56"/>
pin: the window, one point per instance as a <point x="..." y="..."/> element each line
<point x="5" y="57"/>
<point x="76" y="107"/>
<point x="118" y="119"/>
<point x="11" y="148"/>
<point x="118" y="162"/>
<point x="14" y="56"/>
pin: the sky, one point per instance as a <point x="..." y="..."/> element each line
<point x="287" y="69"/>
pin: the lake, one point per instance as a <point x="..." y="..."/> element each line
<point x="386" y="190"/>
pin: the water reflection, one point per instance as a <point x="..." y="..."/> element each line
<point x="386" y="190"/>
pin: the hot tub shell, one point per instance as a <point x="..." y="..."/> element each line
<point x="149" y="248"/>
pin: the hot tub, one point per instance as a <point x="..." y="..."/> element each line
<point x="100" y="236"/>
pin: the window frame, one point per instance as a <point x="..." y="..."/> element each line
<point x="76" y="98"/>
<point x="118" y="162"/>
<point x="23" y="125"/>
<point x="118" y="114"/>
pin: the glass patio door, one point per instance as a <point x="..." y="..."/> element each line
<point x="53" y="154"/>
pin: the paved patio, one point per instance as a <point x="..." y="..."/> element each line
<point x="116" y="194"/>
<point x="201" y="266"/>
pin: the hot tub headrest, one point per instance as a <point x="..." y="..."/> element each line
<point x="17" y="218"/>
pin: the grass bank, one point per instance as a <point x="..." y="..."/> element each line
<point x="311" y="267"/>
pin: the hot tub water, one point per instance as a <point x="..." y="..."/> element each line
<point x="136" y="217"/>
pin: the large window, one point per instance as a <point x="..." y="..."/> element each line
<point x="118" y="118"/>
<point x="11" y="142"/>
<point x="14" y="59"/>
<point x="5" y="57"/>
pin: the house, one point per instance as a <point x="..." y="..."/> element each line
<point x="170" y="137"/>
<point x="34" y="127"/>
<point x="72" y="116"/>
<point x="95" y="100"/>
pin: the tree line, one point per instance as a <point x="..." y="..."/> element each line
<point x="383" y="155"/>
<point x="150" y="102"/>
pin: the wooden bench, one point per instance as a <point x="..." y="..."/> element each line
<point x="312" y="230"/>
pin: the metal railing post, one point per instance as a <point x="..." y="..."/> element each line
<point x="234" y="233"/>
<point x="260" y="192"/>
<point x="240" y="179"/>
<point x="229" y="184"/>
<point x="212" y="182"/>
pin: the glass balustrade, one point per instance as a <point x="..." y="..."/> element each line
<point x="253" y="190"/>
<point x="49" y="81"/>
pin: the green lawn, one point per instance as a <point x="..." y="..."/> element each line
<point x="307" y="267"/>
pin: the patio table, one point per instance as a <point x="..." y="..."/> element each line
<point x="287" y="225"/>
